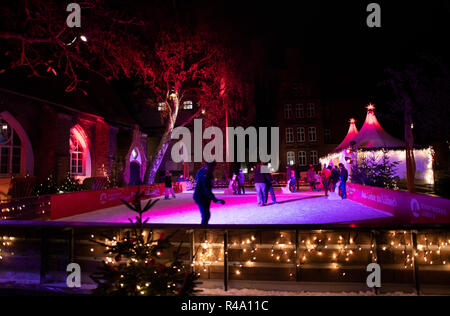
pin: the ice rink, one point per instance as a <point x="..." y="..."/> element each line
<point x="293" y="208"/>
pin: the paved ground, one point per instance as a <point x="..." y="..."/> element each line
<point x="298" y="208"/>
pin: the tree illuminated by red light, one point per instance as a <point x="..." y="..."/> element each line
<point x="172" y="63"/>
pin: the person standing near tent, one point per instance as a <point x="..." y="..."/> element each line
<point x="334" y="177"/>
<point x="241" y="182"/>
<point x="260" y="184"/>
<point x="343" y="177"/>
<point x="168" y="185"/>
<point x="203" y="191"/>
<point x="326" y="174"/>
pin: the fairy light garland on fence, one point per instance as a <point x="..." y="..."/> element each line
<point x="6" y="243"/>
<point x="339" y="251"/>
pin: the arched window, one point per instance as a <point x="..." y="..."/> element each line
<point x="80" y="159"/>
<point x="10" y="149"/>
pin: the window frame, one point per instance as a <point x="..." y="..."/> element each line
<point x="290" y="132"/>
<point x="310" y="129"/>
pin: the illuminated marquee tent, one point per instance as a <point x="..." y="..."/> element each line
<point x="372" y="135"/>
<point x="373" y="139"/>
<point x="352" y="132"/>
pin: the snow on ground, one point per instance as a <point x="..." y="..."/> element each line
<point x="253" y="292"/>
<point x="295" y="208"/>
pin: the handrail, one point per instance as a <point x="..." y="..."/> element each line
<point x="350" y="226"/>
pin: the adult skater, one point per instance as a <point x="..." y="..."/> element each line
<point x="241" y="182"/>
<point x="269" y="189"/>
<point x="260" y="184"/>
<point x="203" y="191"/>
<point x="292" y="182"/>
<point x="168" y="185"/>
<point x="326" y="174"/>
<point x="343" y="177"/>
<point x="311" y="177"/>
<point x="334" y="177"/>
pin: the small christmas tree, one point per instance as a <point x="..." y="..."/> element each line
<point x="48" y="186"/>
<point x="139" y="268"/>
<point x="70" y="185"/>
<point x="377" y="172"/>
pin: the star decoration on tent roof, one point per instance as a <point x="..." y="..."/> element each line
<point x="370" y="107"/>
<point x="352" y="121"/>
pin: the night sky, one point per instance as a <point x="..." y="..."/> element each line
<point x="345" y="57"/>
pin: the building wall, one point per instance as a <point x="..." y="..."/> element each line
<point x="48" y="129"/>
<point x="291" y="94"/>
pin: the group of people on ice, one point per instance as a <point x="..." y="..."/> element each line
<point x="335" y="177"/>
<point x="332" y="177"/>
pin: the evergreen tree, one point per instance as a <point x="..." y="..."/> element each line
<point x="139" y="267"/>
<point x="374" y="171"/>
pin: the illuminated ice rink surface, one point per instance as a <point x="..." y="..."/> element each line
<point x="295" y="208"/>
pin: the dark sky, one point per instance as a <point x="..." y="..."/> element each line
<point x="347" y="57"/>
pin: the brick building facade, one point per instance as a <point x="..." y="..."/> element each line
<point x="42" y="138"/>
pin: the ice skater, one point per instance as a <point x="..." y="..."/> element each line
<point x="269" y="189"/>
<point x="168" y="185"/>
<point x="260" y="180"/>
<point x="311" y="178"/>
<point x="292" y="182"/>
<point x="241" y="182"/>
<point x="343" y="177"/>
<point x="203" y="194"/>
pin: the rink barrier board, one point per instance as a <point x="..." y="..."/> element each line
<point x="74" y="203"/>
<point x="412" y="208"/>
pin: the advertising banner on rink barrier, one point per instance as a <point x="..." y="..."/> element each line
<point x="405" y="206"/>
<point x="74" y="203"/>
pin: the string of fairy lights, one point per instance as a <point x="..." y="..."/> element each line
<point x="336" y="250"/>
<point x="6" y="246"/>
<point x="324" y="249"/>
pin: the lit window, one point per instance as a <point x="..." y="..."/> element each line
<point x="314" y="157"/>
<point x="289" y="135"/>
<point x="188" y="105"/>
<point x="76" y="156"/>
<point x="290" y="158"/>
<point x="310" y="110"/>
<point x="288" y="111"/>
<point x="302" y="158"/>
<point x="312" y="135"/>
<point x="10" y="150"/>
<point x="300" y="134"/>
<point x="161" y="106"/>
<point x="299" y="111"/>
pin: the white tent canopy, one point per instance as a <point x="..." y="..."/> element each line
<point x="372" y="135"/>
<point x="352" y="132"/>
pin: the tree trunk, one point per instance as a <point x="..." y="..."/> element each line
<point x="154" y="163"/>
<point x="409" y="142"/>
